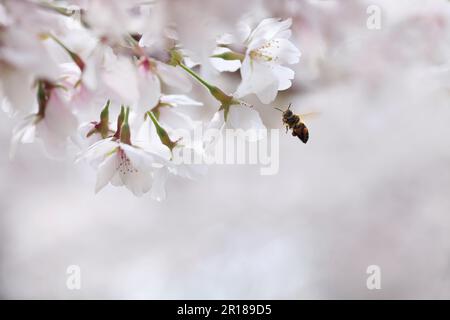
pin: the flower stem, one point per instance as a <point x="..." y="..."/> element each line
<point x="75" y="57"/>
<point x="217" y="93"/>
<point x="225" y="100"/>
<point x="197" y="77"/>
<point x="60" y="10"/>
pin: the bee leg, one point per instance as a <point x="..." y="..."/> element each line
<point x="287" y="129"/>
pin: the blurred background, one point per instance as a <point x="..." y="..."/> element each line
<point x="372" y="187"/>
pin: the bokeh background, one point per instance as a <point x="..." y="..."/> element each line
<point x="371" y="187"/>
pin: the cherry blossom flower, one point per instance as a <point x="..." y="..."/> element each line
<point x="233" y="112"/>
<point x="112" y="19"/>
<point x="150" y="75"/>
<point x="122" y="163"/>
<point x="53" y="124"/>
<point x="183" y="157"/>
<point x="149" y="85"/>
<point x="169" y="111"/>
<point x="22" y="57"/>
<point x="60" y="62"/>
<point x="94" y="131"/>
<point x="105" y="75"/>
<point x="180" y="166"/>
<point x="267" y="50"/>
<point x="239" y="117"/>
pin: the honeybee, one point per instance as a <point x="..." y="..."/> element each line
<point x="295" y="122"/>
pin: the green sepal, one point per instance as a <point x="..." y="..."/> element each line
<point x="162" y="133"/>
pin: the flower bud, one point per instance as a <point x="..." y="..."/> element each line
<point x="120" y="119"/>
<point x="162" y="133"/>
<point x="103" y="126"/>
<point x="125" y="134"/>
<point x="230" y="55"/>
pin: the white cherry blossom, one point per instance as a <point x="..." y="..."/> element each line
<point x="172" y="111"/>
<point x="61" y="61"/>
<point x="53" y="127"/>
<point x="267" y="50"/>
<point x="22" y="57"/>
<point x="239" y="117"/>
<point x="150" y="75"/>
<point x="122" y="164"/>
<point x="184" y="159"/>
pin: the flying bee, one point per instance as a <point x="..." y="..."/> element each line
<point x="295" y="122"/>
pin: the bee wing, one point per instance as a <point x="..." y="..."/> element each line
<point x="309" y="115"/>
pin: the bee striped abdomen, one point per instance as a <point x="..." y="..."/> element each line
<point x="301" y="131"/>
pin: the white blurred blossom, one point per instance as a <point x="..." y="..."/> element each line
<point x="53" y="126"/>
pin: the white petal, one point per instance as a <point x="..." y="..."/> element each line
<point x="96" y="153"/>
<point x="269" y="29"/>
<point x="149" y="90"/>
<point x="174" y="77"/>
<point x="284" y="52"/>
<point x="90" y="74"/>
<point x="284" y="75"/>
<point x="137" y="182"/>
<point x="5" y="104"/>
<point x="225" y="38"/>
<point x="158" y="190"/>
<point x="132" y="170"/>
<point x="4" y="18"/>
<point x="81" y="140"/>
<point x="58" y="117"/>
<point x="175" y="120"/>
<point x="25" y="51"/>
<point x="191" y="171"/>
<point x="148" y="140"/>
<point x="213" y="132"/>
<point x="16" y="86"/>
<point x="57" y="126"/>
<point x="217" y="122"/>
<point x="106" y="171"/>
<point x="179" y="100"/>
<point x="248" y="119"/>
<point x="140" y="159"/>
<point x="147" y="39"/>
<point x="29" y="134"/>
<point x="24" y="132"/>
<point x="258" y="78"/>
<point x="243" y="32"/>
<point x="116" y="180"/>
<point x="223" y="65"/>
<point x="120" y="76"/>
<point x="54" y="146"/>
